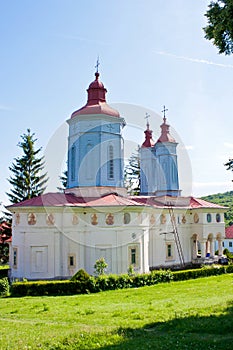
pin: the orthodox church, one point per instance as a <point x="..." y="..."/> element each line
<point x="56" y="234"/>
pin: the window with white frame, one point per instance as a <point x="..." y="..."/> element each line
<point x="133" y="255"/>
<point x="169" y="250"/>
<point x="15" y="257"/>
<point x="71" y="260"/>
<point x="230" y="244"/>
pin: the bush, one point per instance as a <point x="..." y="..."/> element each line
<point x="40" y="288"/>
<point x="228" y="254"/>
<point x="4" y="271"/>
<point x="202" y="272"/>
<point x="100" y="266"/>
<point x="4" y="287"/>
<point x="81" y="276"/>
<point x="89" y="284"/>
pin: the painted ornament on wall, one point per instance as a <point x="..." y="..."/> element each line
<point x="94" y="219"/>
<point x="31" y="219"/>
<point x="50" y="219"/>
<point x="75" y="219"/>
<point x="109" y="219"/>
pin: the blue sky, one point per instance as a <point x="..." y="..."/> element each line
<point x="151" y="52"/>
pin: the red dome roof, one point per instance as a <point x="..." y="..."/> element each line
<point x="149" y="142"/>
<point x="165" y="135"/>
<point x="96" y="101"/>
<point x="96" y="84"/>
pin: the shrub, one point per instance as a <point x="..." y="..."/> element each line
<point x="131" y="271"/>
<point x="100" y="266"/>
<point x="81" y="276"/>
<point x="90" y="284"/>
<point x="4" y="287"/>
<point x="228" y="254"/>
<point x="4" y="271"/>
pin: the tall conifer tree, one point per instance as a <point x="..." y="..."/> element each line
<point x="132" y="174"/>
<point x="27" y="180"/>
<point x="63" y="179"/>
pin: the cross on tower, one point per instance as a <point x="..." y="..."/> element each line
<point x="147" y="119"/>
<point x="164" y="112"/>
<point x="97" y="65"/>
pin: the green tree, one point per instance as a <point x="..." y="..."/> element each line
<point x="27" y="180"/>
<point x="132" y="174"/>
<point x="220" y="25"/>
<point x="100" y="266"/>
<point x="63" y="179"/>
<point x="229" y="164"/>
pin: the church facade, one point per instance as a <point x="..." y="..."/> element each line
<point x="56" y="234"/>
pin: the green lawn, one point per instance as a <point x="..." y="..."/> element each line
<point x="194" y="314"/>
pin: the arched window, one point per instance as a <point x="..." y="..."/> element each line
<point x="73" y="156"/>
<point x="88" y="161"/>
<point x="110" y="162"/>
<point x="218" y="217"/>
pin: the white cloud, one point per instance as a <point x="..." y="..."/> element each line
<point x="196" y="60"/>
<point x="188" y="147"/>
<point x="210" y="184"/>
<point x="228" y="144"/>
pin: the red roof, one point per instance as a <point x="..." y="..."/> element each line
<point x="165" y="134"/>
<point x="69" y="199"/>
<point x="177" y="202"/>
<point x="96" y="101"/>
<point x="201" y="203"/>
<point x="229" y="232"/>
<point x="112" y="199"/>
<point x="149" y="142"/>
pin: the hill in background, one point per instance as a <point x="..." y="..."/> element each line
<point x="225" y="199"/>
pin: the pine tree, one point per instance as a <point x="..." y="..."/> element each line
<point x="27" y="180"/>
<point x="63" y="179"/>
<point x="132" y="174"/>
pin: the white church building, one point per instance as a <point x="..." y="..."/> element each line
<point x="56" y="234"/>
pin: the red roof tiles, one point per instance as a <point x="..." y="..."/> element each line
<point x="112" y="199"/>
<point x="229" y="232"/>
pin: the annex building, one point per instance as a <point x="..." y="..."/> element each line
<point x="56" y="234"/>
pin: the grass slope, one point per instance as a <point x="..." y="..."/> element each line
<point x="225" y="199"/>
<point x="195" y="314"/>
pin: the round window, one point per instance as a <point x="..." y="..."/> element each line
<point x="209" y="219"/>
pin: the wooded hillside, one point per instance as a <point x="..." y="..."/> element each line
<point x="225" y="199"/>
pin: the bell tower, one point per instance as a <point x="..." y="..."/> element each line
<point x="95" y="145"/>
<point x="148" y="180"/>
<point x="167" y="167"/>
